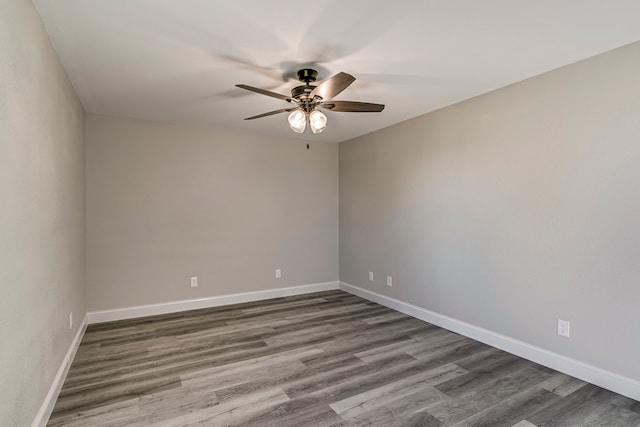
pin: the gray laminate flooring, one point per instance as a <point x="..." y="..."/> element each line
<point x="323" y="359"/>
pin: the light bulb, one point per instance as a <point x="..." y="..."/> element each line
<point x="317" y="121"/>
<point x="298" y="121"/>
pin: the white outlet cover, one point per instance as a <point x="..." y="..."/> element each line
<point x="564" y="328"/>
<point x="371" y="276"/>
<point x="194" y="282"/>
<point x="71" y="320"/>
<point x="278" y="273"/>
<point x="389" y="281"/>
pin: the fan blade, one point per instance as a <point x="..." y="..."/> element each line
<point x="352" y="106"/>
<point x="265" y="92"/>
<point x="270" y="113"/>
<point x="333" y="86"/>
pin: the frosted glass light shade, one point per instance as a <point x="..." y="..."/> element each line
<point x="298" y="121"/>
<point x="317" y="121"/>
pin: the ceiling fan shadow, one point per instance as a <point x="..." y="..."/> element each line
<point x="186" y="30"/>
<point x="355" y="25"/>
<point x="393" y="79"/>
<point x="290" y="69"/>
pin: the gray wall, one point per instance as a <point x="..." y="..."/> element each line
<point x="167" y="202"/>
<point x="42" y="213"/>
<point x="511" y="210"/>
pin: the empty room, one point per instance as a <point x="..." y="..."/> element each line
<point x="341" y="213"/>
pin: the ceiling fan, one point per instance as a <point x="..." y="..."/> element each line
<point x="309" y="98"/>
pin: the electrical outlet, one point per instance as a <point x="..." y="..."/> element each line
<point x="389" y="281"/>
<point x="371" y="276"/>
<point x="278" y="273"/>
<point x="71" y="320"/>
<point x="194" y="282"/>
<point x="564" y="328"/>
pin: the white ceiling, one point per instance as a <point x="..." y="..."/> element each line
<point x="178" y="60"/>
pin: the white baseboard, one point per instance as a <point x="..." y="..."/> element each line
<point x="589" y="373"/>
<point x="192" y="304"/>
<point x="42" y="417"/>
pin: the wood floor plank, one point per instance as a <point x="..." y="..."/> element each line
<point x="308" y="379"/>
<point x="295" y="412"/>
<point x="511" y="410"/>
<point x="232" y="411"/>
<point x="94" y="397"/>
<point x="589" y="405"/>
<point x="562" y="385"/>
<point x="395" y="348"/>
<point x="397" y="391"/>
<point x="478" y="393"/>
<point x="180" y="362"/>
<point x="322" y="359"/>
<point x="118" y="413"/>
<point x="161" y="406"/>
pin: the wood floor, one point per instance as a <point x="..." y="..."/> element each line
<point x="324" y="359"/>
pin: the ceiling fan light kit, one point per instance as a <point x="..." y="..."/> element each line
<point x="309" y="98"/>
<point x="317" y="121"/>
<point x="298" y="121"/>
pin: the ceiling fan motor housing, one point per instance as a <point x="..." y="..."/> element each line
<point x="300" y="91"/>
